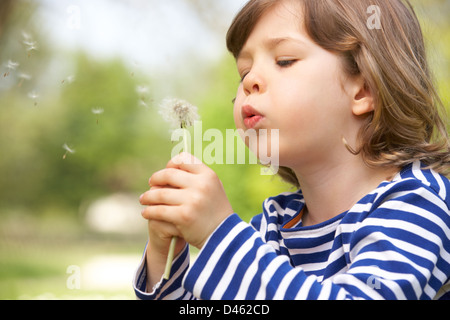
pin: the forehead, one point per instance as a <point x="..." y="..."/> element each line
<point x="280" y="23"/>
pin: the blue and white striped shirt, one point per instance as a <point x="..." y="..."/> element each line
<point x="393" y="244"/>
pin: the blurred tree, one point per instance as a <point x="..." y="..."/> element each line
<point x="5" y="9"/>
<point x="118" y="149"/>
<point x="211" y="14"/>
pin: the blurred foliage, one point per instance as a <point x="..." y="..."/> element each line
<point x="115" y="151"/>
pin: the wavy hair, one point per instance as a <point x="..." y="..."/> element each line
<point x="408" y="119"/>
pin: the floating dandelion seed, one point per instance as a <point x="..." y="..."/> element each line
<point x="26" y="36"/>
<point x="33" y="95"/>
<point x="143" y="103"/>
<point x="97" y="112"/>
<point x="68" y="80"/>
<point x="11" y="66"/>
<point x="29" y="43"/>
<point x="180" y="114"/>
<point x="142" y="91"/>
<point x="68" y="150"/>
<point x="23" y="77"/>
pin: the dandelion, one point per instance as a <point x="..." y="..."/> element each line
<point x="97" y="112"/>
<point x="180" y="114"/>
<point x="68" y="150"/>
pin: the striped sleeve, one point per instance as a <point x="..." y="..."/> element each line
<point x="402" y="249"/>
<point x="399" y="250"/>
<point x="166" y="289"/>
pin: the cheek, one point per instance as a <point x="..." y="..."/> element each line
<point x="237" y="116"/>
<point x="237" y="109"/>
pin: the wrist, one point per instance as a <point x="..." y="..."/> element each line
<point x="213" y="230"/>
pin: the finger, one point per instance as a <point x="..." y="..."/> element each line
<point x="163" y="229"/>
<point x="162" y="196"/>
<point x="161" y="213"/>
<point x="187" y="162"/>
<point x="172" y="177"/>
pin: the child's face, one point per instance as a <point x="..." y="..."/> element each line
<point x="292" y="84"/>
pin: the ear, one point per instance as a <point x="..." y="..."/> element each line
<point x="363" y="102"/>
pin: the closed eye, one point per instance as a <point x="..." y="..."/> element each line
<point x="243" y="76"/>
<point x="286" y="63"/>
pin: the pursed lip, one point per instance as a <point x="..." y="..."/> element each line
<point x="251" y="116"/>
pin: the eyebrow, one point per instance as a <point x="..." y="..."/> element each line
<point x="272" y="43"/>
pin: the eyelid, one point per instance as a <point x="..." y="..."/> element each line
<point x="286" y="62"/>
<point x="244" y="66"/>
<point x="243" y="76"/>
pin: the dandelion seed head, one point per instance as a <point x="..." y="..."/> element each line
<point x="178" y="112"/>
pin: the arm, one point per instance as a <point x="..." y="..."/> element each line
<point x="163" y="289"/>
<point x="148" y="283"/>
<point x="178" y="197"/>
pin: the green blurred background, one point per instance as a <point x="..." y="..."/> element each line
<point x="63" y="211"/>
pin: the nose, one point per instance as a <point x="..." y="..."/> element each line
<point x="254" y="83"/>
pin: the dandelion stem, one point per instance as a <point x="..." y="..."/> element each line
<point x="181" y="114"/>
<point x="170" y="257"/>
<point x="185" y="140"/>
<point x="173" y="242"/>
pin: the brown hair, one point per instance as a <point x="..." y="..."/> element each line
<point x="407" y="123"/>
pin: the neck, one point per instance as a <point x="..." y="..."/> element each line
<point x="334" y="188"/>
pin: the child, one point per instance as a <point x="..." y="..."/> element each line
<point x="360" y="134"/>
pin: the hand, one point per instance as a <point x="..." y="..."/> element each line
<point x="160" y="235"/>
<point x="189" y="196"/>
